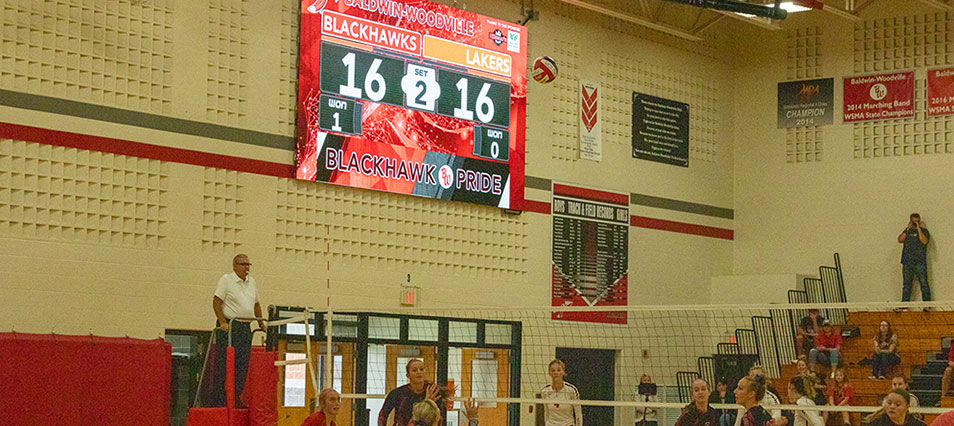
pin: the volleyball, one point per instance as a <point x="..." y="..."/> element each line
<point x="544" y="69"/>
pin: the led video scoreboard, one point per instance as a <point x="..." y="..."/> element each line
<point x="412" y="97"/>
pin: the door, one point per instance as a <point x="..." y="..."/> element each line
<point x="386" y="371"/>
<point x="593" y="372"/>
<point x="296" y="393"/>
<point x="485" y="373"/>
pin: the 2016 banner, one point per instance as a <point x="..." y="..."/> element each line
<point x="590" y="252"/>
<point x="879" y="97"/>
<point x="940" y="94"/>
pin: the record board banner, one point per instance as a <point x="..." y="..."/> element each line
<point x="660" y="130"/>
<point x="940" y="92"/>
<point x="879" y="97"/>
<point x="806" y="103"/>
<point x="591" y="126"/>
<point x="590" y="252"/>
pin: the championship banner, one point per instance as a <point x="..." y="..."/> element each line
<point x="806" y="103"/>
<point x="412" y="97"/>
<point x="591" y="126"/>
<point x="940" y="93"/>
<point x="590" y="252"/>
<point x="879" y="97"/>
<point x="660" y="130"/>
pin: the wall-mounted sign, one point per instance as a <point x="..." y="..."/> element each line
<point x="660" y="130"/>
<point x="806" y="103"/>
<point x="591" y="126"/>
<point x="879" y="97"/>
<point x="940" y="94"/>
<point x="590" y="252"/>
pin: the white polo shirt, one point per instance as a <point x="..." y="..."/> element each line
<point x="238" y="297"/>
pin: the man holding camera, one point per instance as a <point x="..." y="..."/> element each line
<point x="914" y="258"/>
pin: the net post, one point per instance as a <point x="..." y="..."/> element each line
<point x="361" y="415"/>
<point x="308" y="356"/>
<point x="329" y="356"/>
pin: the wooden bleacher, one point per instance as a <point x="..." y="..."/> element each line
<point x="921" y="334"/>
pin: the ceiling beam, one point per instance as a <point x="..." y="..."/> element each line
<point x="760" y="22"/>
<point x="708" y="24"/>
<point x="634" y="19"/>
<point x="859" y="7"/>
<point x="938" y="4"/>
<point x="841" y="13"/>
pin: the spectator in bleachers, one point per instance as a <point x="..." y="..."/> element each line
<point x="808" y="328"/>
<point x="722" y="395"/>
<point x="827" y="347"/>
<point x="900" y="382"/>
<point x="749" y="393"/>
<point x="894" y="411"/>
<point x="801" y="366"/>
<point x="800" y="392"/>
<point x="646" y="392"/>
<point x="946" y="419"/>
<point x="770" y="397"/>
<point x="948" y="373"/>
<point x="914" y="258"/>
<point x="842" y="394"/>
<point x="698" y="412"/>
<point x="885" y="351"/>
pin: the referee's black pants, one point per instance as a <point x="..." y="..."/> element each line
<point x="242" y="342"/>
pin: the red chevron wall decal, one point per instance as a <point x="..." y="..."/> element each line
<point x="589" y="109"/>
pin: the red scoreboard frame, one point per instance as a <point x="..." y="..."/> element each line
<point x="412" y="97"/>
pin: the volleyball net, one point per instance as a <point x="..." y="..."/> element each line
<point x="500" y="356"/>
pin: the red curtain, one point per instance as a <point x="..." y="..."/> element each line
<point x="84" y="380"/>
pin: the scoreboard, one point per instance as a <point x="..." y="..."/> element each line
<point x="412" y="97"/>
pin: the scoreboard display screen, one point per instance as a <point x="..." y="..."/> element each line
<point x="412" y="97"/>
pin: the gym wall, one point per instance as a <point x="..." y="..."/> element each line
<point x="148" y="141"/>
<point x="803" y="194"/>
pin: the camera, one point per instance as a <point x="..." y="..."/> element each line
<point x="647" y="389"/>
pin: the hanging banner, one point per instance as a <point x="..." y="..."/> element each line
<point x="940" y="93"/>
<point x="806" y="103"/>
<point x="590" y="252"/>
<point x="879" y="97"/>
<point x="591" y="126"/>
<point x="660" y="130"/>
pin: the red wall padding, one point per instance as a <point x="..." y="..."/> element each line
<point x="84" y="380"/>
<point x="261" y="388"/>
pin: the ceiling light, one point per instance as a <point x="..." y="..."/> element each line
<point x="791" y="7"/>
<point x="788" y="6"/>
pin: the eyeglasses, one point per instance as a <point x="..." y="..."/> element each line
<point x="244" y="264"/>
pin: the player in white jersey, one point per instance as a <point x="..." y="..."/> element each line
<point x="561" y="414"/>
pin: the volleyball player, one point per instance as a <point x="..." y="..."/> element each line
<point x="561" y="413"/>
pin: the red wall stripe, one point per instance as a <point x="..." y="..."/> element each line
<point x="681" y="227"/>
<point x="144" y="150"/>
<point x="205" y="159"/>
<point x="591" y="194"/>
<point x="537" y="206"/>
